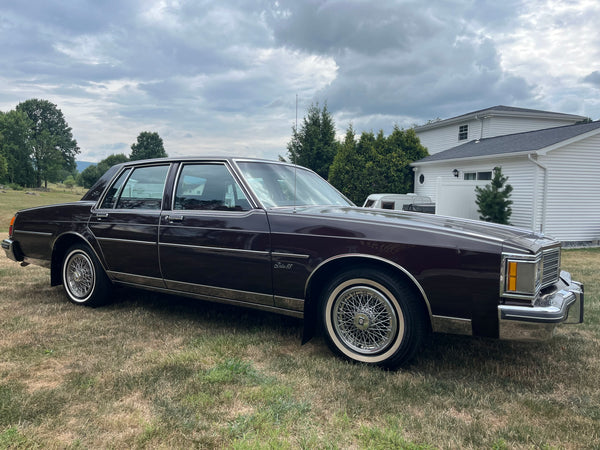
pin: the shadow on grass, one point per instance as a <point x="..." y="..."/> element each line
<point x="173" y="308"/>
<point x="529" y="365"/>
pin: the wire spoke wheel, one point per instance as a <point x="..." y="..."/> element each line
<point x="84" y="279"/>
<point x="364" y="320"/>
<point x="80" y="275"/>
<point x="372" y="317"/>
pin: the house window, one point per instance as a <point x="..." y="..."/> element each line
<point x="463" y="132"/>
<point x="477" y="176"/>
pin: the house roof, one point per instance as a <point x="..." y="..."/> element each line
<point x="501" y="111"/>
<point x="527" y="142"/>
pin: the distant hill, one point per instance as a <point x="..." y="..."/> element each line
<point x="81" y="165"/>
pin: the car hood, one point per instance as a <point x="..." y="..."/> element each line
<point x="511" y="238"/>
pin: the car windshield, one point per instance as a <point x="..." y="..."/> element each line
<point x="278" y="185"/>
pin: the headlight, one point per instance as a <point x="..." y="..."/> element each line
<point x="522" y="276"/>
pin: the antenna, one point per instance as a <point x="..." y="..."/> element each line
<point x="295" y="151"/>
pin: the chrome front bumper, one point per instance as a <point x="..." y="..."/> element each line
<point x="538" y="322"/>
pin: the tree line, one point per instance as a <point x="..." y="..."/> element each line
<point x="37" y="147"/>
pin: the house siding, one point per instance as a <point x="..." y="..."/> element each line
<point x="573" y="209"/>
<point x="500" y="126"/>
<point x="445" y="137"/>
<point x="439" y="139"/>
<point x="522" y="176"/>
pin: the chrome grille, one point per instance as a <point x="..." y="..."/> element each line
<point x="551" y="266"/>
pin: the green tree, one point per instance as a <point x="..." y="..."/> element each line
<point x="69" y="182"/>
<point x="50" y="139"/>
<point x="3" y="168"/>
<point x="343" y="170"/>
<point x="314" y="145"/>
<point x="88" y="176"/>
<point x="376" y="163"/>
<point x="149" y="145"/>
<point x="15" y="149"/>
<point x="493" y="199"/>
<point x="91" y="174"/>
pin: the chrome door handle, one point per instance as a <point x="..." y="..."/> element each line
<point x="174" y="218"/>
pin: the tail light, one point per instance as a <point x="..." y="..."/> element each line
<point x="11" y="226"/>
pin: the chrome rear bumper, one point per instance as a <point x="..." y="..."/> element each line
<point x="538" y="322"/>
<point x="11" y="248"/>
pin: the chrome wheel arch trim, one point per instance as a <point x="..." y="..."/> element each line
<point x="373" y="258"/>
<point x="82" y="239"/>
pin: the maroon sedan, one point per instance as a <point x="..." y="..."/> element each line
<point x="277" y="237"/>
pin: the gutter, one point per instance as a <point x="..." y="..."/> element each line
<point x="545" y="190"/>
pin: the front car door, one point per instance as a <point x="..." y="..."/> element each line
<point x="126" y="225"/>
<point x="213" y="243"/>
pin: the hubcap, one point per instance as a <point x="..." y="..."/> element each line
<point x="361" y="321"/>
<point x="364" y="319"/>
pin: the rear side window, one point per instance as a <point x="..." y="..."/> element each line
<point x="144" y="188"/>
<point x="140" y="188"/>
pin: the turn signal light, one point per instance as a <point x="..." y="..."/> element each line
<point x="11" y="226"/>
<point x="512" y="276"/>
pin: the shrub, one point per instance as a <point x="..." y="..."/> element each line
<point x="493" y="200"/>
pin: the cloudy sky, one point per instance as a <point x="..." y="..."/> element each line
<point x="216" y="77"/>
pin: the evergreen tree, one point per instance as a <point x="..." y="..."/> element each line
<point x="314" y="145"/>
<point x="493" y="199"/>
<point x="149" y="145"/>
<point x="376" y="163"/>
<point x="343" y="168"/>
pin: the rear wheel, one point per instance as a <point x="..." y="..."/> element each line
<point x="84" y="279"/>
<point x="369" y="316"/>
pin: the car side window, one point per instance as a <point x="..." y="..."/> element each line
<point x="208" y="187"/>
<point x="113" y="191"/>
<point x="144" y="188"/>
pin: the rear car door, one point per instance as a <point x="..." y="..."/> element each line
<point x="126" y="224"/>
<point x="213" y="242"/>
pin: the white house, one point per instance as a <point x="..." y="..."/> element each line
<point x="554" y="171"/>
<point x="495" y="121"/>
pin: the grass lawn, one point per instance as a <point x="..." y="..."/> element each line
<point x="160" y="371"/>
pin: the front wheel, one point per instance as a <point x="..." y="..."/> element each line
<point x="370" y="317"/>
<point x="84" y="279"/>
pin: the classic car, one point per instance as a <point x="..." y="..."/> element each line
<point x="277" y="237"/>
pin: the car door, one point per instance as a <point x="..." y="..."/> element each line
<point x="212" y="241"/>
<point x="126" y="225"/>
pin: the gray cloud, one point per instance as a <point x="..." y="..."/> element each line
<point x="593" y="78"/>
<point x="225" y="74"/>
<point x="404" y="59"/>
